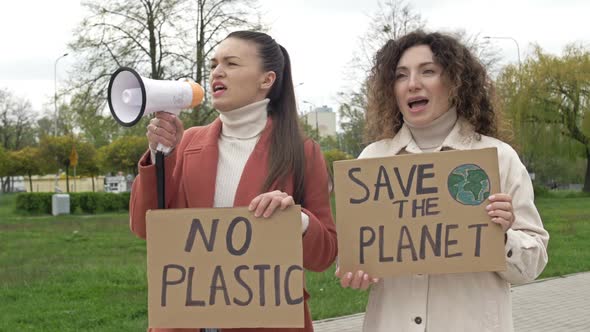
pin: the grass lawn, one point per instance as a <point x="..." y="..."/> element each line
<point x="72" y="273"/>
<point x="568" y="222"/>
<point x="87" y="273"/>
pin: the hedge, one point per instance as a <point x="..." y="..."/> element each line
<point x="86" y="202"/>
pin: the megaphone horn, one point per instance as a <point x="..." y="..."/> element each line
<point x="131" y="96"/>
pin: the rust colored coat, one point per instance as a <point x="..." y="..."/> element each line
<point x="190" y="183"/>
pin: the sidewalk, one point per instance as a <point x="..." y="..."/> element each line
<point x="548" y="305"/>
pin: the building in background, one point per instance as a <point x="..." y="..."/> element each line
<point x="323" y="120"/>
<point x="118" y="183"/>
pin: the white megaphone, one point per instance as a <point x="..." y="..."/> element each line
<point x="131" y="96"/>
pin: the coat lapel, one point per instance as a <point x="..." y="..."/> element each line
<point x="256" y="169"/>
<point x="200" y="166"/>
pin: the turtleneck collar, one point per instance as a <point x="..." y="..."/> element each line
<point x="245" y="122"/>
<point x="431" y="136"/>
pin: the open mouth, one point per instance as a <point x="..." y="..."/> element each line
<point x="218" y="87"/>
<point x="417" y="102"/>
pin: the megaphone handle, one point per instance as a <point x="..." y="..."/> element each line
<point x="161" y="189"/>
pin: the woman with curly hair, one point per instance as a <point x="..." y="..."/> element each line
<point x="428" y="93"/>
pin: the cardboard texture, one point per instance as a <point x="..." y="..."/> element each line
<point x="418" y="213"/>
<point x="224" y="268"/>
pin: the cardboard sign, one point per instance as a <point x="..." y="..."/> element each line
<point x="418" y="213"/>
<point x="224" y="268"/>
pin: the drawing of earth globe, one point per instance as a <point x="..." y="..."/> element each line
<point x="469" y="184"/>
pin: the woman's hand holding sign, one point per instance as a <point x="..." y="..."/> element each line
<point x="265" y="204"/>
<point x="357" y="280"/>
<point x="501" y="211"/>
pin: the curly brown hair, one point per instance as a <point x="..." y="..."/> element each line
<point x="472" y="91"/>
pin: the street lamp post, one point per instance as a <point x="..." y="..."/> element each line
<point x="515" y="42"/>
<point x="55" y="89"/>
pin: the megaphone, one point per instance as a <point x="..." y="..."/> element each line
<point x="131" y="96"/>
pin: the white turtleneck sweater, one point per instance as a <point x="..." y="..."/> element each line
<point x="240" y="131"/>
<point x="430" y="137"/>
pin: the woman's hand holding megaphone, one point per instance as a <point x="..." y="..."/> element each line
<point x="165" y="129"/>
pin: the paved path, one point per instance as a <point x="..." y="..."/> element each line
<point x="548" y="305"/>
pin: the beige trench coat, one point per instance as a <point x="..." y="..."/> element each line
<point x="470" y="302"/>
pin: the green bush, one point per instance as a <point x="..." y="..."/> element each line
<point x="110" y="202"/>
<point x="334" y="155"/>
<point x="125" y="197"/>
<point x="540" y="190"/>
<point x="74" y="202"/>
<point x="569" y="194"/>
<point x="87" y="202"/>
<point x="34" y="203"/>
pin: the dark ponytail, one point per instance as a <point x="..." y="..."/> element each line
<point x="286" y="141"/>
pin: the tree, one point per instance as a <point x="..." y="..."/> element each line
<point x="334" y="155"/>
<point x="16" y="121"/>
<point x="393" y="19"/>
<point x="161" y="39"/>
<point x="121" y="33"/>
<point x="44" y="127"/>
<point x="548" y="100"/>
<point x="329" y="142"/>
<point x="352" y="121"/>
<point x="88" y="162"/>
<point x="5" y="166"/>
<point x="56" y="150"/>
<point x="27" y="161"/>
<point x="487" y="55"/>
<point x="94" y="128"/>
<point x="17" y="130"/>
<point x="139" y="34"/>
<point x="123" y="154"/>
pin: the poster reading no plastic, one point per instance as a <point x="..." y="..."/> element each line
<point x="224" y="268"/>
<point x="418" y="213"/>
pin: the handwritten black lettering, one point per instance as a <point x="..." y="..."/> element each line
<point x="477" y="237"/>
<point x="166" y="282"/>
<point x="422" y="175"/>
<point x="365" y="243"/>
<point x="361" y="184"/>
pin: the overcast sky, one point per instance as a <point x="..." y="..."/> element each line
<point x="320" y="35"/>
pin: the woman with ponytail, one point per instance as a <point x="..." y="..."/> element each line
<point x="253" y="154"/>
